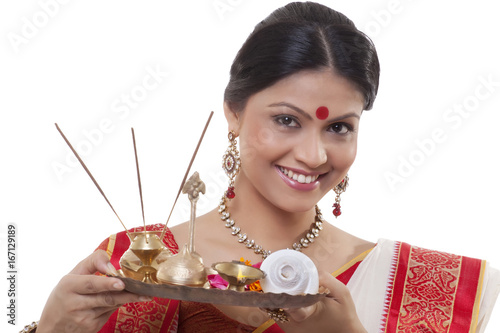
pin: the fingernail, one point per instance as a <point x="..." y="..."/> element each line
<point x="118" y="285"/>
<point x="111" y="270"/>
<point x="145" y="298"/>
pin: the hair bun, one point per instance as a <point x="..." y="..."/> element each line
<point x="291" y="272"/>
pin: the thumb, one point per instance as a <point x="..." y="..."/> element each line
<point x="301" y="314"/>
<point x="96" y="262"/>
<point x="338" y="290"/>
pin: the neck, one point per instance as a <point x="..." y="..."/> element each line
<point x="272" y="227"/>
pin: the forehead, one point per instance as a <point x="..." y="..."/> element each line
<point x="312" y="89"/>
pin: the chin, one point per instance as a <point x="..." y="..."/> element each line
<point x="295" y="204"/>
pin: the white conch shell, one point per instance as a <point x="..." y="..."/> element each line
<point x="291" y="272"/>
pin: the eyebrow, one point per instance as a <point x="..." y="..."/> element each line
<point x="308" y="116"/>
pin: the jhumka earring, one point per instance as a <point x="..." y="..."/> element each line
<point x="231" y="163"/>
<point x="339" y="189"/>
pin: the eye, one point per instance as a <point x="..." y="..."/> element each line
<point x="286" y="120"/>
<point x="340" y="128"/>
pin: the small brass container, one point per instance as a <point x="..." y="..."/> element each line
<point x="237" y="274"/>
<point x="146" y="246"/>
<point x="185" y="268"/>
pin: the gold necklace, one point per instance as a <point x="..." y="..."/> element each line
<point x="304" y="242"/>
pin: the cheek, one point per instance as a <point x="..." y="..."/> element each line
<point x="343" y="157"/>
<point x="257" y="142"/>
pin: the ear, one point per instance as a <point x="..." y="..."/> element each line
<point x="233" y="119"/>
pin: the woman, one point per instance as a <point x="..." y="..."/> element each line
<point x="297" y="90"/>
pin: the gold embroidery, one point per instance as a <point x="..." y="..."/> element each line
<point x="430" y="287"/>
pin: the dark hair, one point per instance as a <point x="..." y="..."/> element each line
<point x="299" y="36"/>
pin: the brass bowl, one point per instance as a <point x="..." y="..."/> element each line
<point x="237" y="274"/>
<point x="140" y="260"/>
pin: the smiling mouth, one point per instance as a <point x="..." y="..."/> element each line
<point x="303" y="179"/>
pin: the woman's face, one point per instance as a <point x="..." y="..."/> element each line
<point x="290" y="156"/>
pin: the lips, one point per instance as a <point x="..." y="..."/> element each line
<point x="297" y="180"/>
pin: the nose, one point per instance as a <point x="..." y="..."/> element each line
<point x="311" y="151"/>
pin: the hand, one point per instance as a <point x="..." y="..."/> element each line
<point x="336" y="313"/>
<point x="83" y="302"/>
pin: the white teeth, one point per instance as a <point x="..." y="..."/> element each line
<point x="303" y="179"/>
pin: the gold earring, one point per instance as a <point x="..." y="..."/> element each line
<point x="231" y="163"/>
<point x="339" y="189"/>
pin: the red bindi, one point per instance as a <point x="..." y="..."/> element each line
<point x="322" y="112"/>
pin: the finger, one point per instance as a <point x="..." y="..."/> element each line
<point x="110" y="300"/>
<point x="103" y="318"/>
<point x="96" y="262"/>
<point x="338" y="290"/>
<point x="301" y="314"/>
<point x="105" y="311"/>
<point x="91" y="284"/>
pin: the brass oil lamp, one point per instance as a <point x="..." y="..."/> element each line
<point x="237" y="274"/>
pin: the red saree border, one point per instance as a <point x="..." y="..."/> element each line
<point x="431" y="291"/>
<point x="394" y="292"/>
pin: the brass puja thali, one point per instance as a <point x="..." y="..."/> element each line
<point x="149" y="268"/>
<point x="223" y="297"/>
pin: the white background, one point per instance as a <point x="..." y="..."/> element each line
<point x="75" y="62"/>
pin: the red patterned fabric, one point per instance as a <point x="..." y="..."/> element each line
<point x="432" y="291"/>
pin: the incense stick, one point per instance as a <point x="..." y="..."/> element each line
<point x="187" y="172"/>
<point x="139" y="181"/>
<point x="91" y="177"/>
